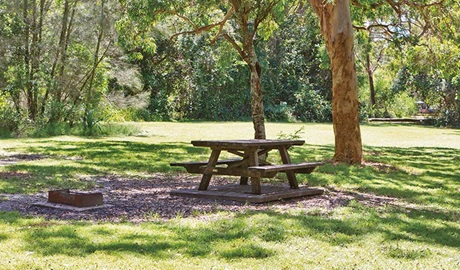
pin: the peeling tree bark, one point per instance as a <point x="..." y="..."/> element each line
<point x="337" y="31"/>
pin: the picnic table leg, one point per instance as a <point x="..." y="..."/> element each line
<point x="290" y="174"/>
<point x="255" y="181"/>
<point x="204" y="184"/>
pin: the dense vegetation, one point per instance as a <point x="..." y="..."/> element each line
<point x="74" y="63"/>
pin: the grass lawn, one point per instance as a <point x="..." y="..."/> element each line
<point x="419" y="167"/>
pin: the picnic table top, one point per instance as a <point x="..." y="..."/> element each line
<point x="247" y="143"/>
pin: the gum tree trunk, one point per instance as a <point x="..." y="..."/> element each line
<point x="370" y="75"/>
<point x="257" y="104"/>
<point x="247" y="51"/>
<point x="337" y="31"/>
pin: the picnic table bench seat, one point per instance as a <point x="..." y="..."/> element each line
<point x="268" y="171"/>
<point x="304" y="167"/>
<point x="197" y="166"/>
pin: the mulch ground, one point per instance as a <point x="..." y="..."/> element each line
<point x="148" y="199"/>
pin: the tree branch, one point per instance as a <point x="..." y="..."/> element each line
<point x="221" y="27"/>
<point x="197" y="30"/>
<point x="235" y="45"/>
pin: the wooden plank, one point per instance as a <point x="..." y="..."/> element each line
<point x="242" y="144"/>
<point x="229" y="171"/>
<point x="202" y="163"/>
<point x="399" y="120"/>
<point x="304" y="170"/>
<point x="285" y="167"/>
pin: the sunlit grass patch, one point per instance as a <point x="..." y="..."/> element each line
<point x="32" y="183"/>
<point x="244" y="249"/>
<point x="349" y="235"/>
<point x="406" y="250"/>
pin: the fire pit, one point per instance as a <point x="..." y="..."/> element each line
<point x="77" y="199"/>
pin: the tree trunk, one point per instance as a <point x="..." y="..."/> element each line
<point x="257" y="103"/>
<point x="89" y="103"/>
<point x="370" y="75"/>
<point x="248" y="53"/>
<point x="337" y="31"/>
<point x="28" y="73"/>
<point x="35" y="52"/>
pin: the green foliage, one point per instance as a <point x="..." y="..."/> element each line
<point x="312" y="107"/>
<point x="189" y="79"/>
<point x="296" y="86"/>
<point x="8" y="118"/>
<point x="433" y="77"/>
<point x="50" y="69"/>
<point x="53" y="129"/>
<point x="91" y="123"/>
<point x="94" y="127"/>
<point x="279" y="113"/>
<point x="296" y="135"/>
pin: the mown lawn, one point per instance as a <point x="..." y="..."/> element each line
<point x="418" y="166"/>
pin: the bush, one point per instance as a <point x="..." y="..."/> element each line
<point x="118" y="129"/>
<point x="312" y="107"/>
<point x="450" y="117"/>
<point x="8" y="123"/>
<point x="53" y="129"/>
<point x="403" y="105"/>
<point x="8" y="120"/>
<point x="279" y="113"/>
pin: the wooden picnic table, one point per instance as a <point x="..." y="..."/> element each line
<point x="251" y="162"/>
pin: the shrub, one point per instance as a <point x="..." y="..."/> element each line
<point x="312" y="107"/>
<point x="403" y="105"/>
<point x="53" y="129"/>
<point x="279" y="113"/>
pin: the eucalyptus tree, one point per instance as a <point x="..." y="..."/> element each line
<point x="381" y="24"/>
<point x="22" y="35"/>
<point x="337" y="29"/>
<point x="53" y="58"/>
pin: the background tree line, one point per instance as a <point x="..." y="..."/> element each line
<point x="72" y="63"/>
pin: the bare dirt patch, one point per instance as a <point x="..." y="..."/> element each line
<point x="15" y="158"/>
<point x="136" y="200"/>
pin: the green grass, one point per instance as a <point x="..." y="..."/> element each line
<point x="419" y="166"/>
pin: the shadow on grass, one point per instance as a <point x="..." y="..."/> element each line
<point x="230" y="239"/>
<point x="108" y="157"/>
<point x="247" y="234"/>
<point x="426" y="176"/>
<point x="65" y="162"/>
